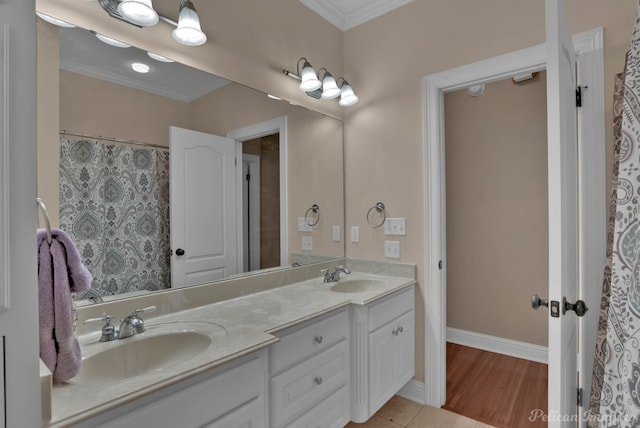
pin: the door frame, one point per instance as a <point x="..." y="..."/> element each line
<point x="269" y="127"/>
<point x="253" y="215"/>
<point x="592" y="207"/>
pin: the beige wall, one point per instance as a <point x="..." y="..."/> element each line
<point x="386" y="59"/>
<point x="497" y="210"/>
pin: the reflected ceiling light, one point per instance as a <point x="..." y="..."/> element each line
<point x="476" y="90"/>
<point x="138" y="12"/>
<point x="159" y="57"/>
<point x="273" y="97"/>
<point x="54" y="21"/>
<point x="347" y="96"/>
<point x="141" y="14"/>
<point x="110" y="41"/>
<point x="188" y="31"/>
<point x="327" y="88"/>
<point x="140" y="67"/>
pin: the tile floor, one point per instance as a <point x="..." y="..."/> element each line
<point x="400" y="412"/>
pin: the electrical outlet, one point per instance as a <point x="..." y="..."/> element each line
<point x="336" y="233"/>
<point x="395" y="226"/>
<point x="307" y="243"/>
<point x="303" y="226"/>
<point x="392" y="249"/>
<point x="355" y="233"/>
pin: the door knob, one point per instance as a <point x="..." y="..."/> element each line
<point x="579" y="307"/>
<point x="536" y="302"/>
<point x="179" y="252"/>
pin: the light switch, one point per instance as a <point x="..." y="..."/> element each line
<point x="395" y="226"/>
<point x="307" y="243"/>
<point x="355" y="233"/>
<point x="336" y="233"/>
<point x="303" y="226"/>
<point x="392" y="249"/>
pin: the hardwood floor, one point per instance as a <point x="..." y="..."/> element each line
<point x="495" y="389"/>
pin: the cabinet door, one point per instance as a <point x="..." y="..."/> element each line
<point x="249" y="415"/>
<point x="404" y="349"/>
<point x="381" y="366"/>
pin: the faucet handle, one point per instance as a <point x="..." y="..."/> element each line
<point x="148" y="309"/>
<point x="109" y="332"/>
<point x="106" y="318"/>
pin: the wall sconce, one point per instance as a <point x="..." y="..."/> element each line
<point x="141" y="14"/>
<point x="322" y="84"/>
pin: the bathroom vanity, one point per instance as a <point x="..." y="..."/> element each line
<point x="308" y="353"/>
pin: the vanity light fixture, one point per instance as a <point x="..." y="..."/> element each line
<point x="327" y="88"/>
<point x="138" y="12"/>
<point x="54" y="21"/>
<point x="141" y="14"/>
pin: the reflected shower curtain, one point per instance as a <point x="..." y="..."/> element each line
<point x="615" y="395"/>
<point x="114" y="203"/>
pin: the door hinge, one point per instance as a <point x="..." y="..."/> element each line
<point x="579" y="397"/>
<point x="440" y="265"/>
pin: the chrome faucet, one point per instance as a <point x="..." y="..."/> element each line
<point x="335" y="275"/>
<point x="133" y="324"/>
<point x="130" y="325"/>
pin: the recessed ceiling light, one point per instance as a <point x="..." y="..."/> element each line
<point x="55" y="21"/>
<point x="140" y="67"/>
<point x="273" y="97"/>
<point x="112" y="42"/>
<point x="159" y="57"/>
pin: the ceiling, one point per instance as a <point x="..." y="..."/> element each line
<point x="346" y="14"/>
<point x="81" y="52"/>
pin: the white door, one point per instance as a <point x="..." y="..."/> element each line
<point x="203" y="207"/>
<point x="563" y="237"/>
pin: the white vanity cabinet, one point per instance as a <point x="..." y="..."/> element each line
<point x="231" y="396"/>
<point x="309" y="374"/>
<point x="383" y="351"/>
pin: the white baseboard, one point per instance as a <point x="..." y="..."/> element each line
<point x="509" y="347"/>
<point x="414" y="391"/>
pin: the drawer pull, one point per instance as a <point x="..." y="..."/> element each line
<point x="395" y="332"/>
<point x="400" y="329"/>
<point x="318" y="380"/>
<point x="318" y="339"/>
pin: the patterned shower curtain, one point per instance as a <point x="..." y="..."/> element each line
<point x="615" y="395"/>
<point x="114" y="203"/>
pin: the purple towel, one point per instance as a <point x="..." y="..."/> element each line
<point x="60" y="273"/>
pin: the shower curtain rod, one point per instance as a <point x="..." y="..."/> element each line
<point x="113" y="139"/>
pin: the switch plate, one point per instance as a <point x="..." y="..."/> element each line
<point x="355" y="233"/>
<point x="336" y="233"/>
<point x="307" y="243"/>
<point x="392" y="249"/>
<point x="303" y="226"/>
<point x="395" y="226"/>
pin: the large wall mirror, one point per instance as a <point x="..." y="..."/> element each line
<point x="161" y="170"/>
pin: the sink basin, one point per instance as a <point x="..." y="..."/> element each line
<point x="357" y="285"/>
<point x="155" y="350"/>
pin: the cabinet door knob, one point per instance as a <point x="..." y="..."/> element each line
<point x="400" y="329"/>
<point x="318" y="339"/>
<point x="318" y="380"/>
<point x="395" y="332"/>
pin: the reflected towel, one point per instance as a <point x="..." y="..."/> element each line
<point x="60" y="273"/>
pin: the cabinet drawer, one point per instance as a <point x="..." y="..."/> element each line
<point x="380" y="313"/>
<point x="296" y="390"/>
<point x="309" y="340"/>
<point x="333" y="412"/>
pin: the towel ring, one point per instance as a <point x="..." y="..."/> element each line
<point x="378" y="207"/>
<point x="43" y="208"/>
<point x="316" y="210"/>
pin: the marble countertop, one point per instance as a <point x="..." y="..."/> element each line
<point x="248" y="324"/>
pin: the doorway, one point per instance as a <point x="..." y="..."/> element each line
<point x="496" y="249"/>
<point x="591" y="193"/>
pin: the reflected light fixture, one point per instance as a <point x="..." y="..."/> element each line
<point x="138" y="12"/>
<point x="159" y="57"/>
<point x="110" y="41"/>
<point x="327" y="88"/>
<point x="188" y="31"/>
<point x="142" y="14"/>
<point x="55" y="21"/>
<point x="140" y="67"/>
